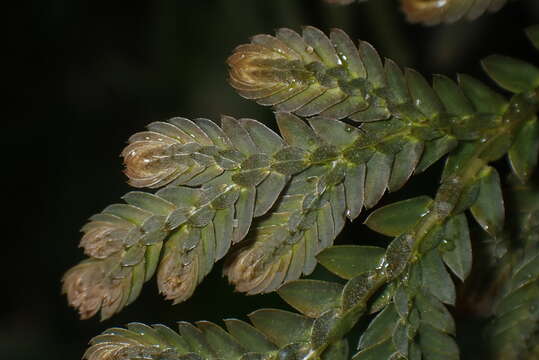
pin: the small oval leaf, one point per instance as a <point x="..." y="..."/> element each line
<point x="397" y="218"/>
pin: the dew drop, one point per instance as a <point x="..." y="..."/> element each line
<point x="348" y="213"/>
<point x="348" y="129"/>
<point x="447" y="245"/>
<point x="309" y="49"/>
<point x="235" y="223"/>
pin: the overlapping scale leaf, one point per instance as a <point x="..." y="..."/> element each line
<point x="125" y="241"/>
<point x="524" y="153"/>
<point x="512" y="74"/>
<point x="342" y="170"/>
<point x="205" y="341"/>
<point x="488" y="209"/>
<point x="330" y="76"/>
<point x="416" y="321"/>
<point x="309" y="74"/>
<point x="434" y="12"/>
<point x="312" y="209"/>
<point x="185" y="152"/>
<point x="198" y="224"/>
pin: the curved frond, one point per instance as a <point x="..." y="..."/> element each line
<point x="433" y="12"/>
<point x="239" y="175"/>
<point x="330" y="76"/>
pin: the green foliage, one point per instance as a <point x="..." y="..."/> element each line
<point x="513" y="330"/>
<point x="279" y="203"/>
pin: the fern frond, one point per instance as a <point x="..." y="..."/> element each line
<point x="240" y="171"/>
<point x="349" y="169"/>
<point x="513" y="331"/>
<point x="316" y="75"/>
<point x="198" y="224"/>
<point x="329" y="310"/>
<point x="205" y="341"/>
<point x="433" y="12"/>
<point x="192" y="153"/>
<point x="361" y="166"/>
<point x="276" y="334"/>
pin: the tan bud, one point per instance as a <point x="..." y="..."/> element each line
<point x="246" y="270"/>
<point x="102" y="238"/>
<point x="124" y="348"/>
<point x="89" y="289"/>
<point x="177" y="281"/>
<point x="257" y="71"/>
<point x="81" y="283"/>
<point x="426" y="11"/>
<point x="148" y="162"/>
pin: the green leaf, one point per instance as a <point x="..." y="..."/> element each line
<point x="397" y="218"/>
<point x="456" y="246"/>
<point x="373" y="64"/>
<point x="311" y="297"/>
<point x="436" y="345"/>
<point x="397" y="87"/>
<point x="533" y="35"/>
<point x="354" y="186"/>
<point x="484" y="99"/>
<point x="282" y="327"/>
<point x="377" y="179"/>
<point x="422" y="94"/>
<point x="244" y="213"/>
<point x="400" y="338"/>
<point x="436" y="279"/>
<point x="348" y="52"/>
<point x="264" y="138"/>
<point x="195" y="338"/>
<point x="451" y="96"/>
<point x="334" y="132"/>
<point x="222" y="343"/>
<point x="405" y="163"/>
<point x="434" y="150"/>
<point x="149" y="202"/>
<point x="383" y="350"/>
<point x="488" y="209"/>
<point x="512" y="74"/>
<point x="524" y="153"/>
<point x="349" y="261"/>
<point x="248" y="336"/>
<point x="434" y="313"/>
<point x="337" y="351"/>
<point x="380" y="328"/>
<point x="295" y="131"/>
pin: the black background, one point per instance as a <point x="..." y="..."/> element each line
<point x="84" y="75"/>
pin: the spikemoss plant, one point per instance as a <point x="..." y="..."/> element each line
<point x="352" y="126"/>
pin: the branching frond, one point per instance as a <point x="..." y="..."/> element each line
<point x="425" y="124"/>
<point x="240" y="175"/>
<point x="290" y="197"/>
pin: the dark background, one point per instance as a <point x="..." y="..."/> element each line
<point x="84" y="75"/>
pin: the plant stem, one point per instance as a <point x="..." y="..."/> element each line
<point x="521" y="108"/>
